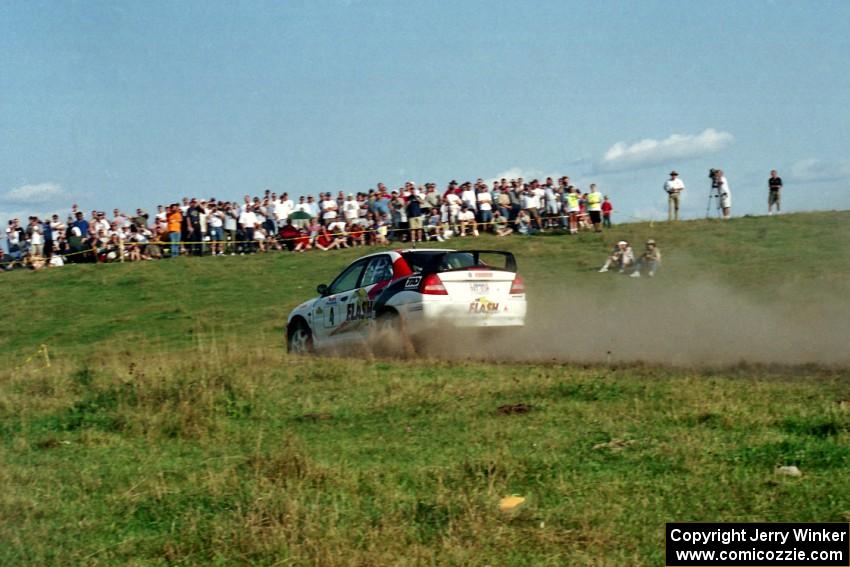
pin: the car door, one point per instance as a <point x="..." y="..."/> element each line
<point x="358" y="307"/>
<point x="330" y="311"/>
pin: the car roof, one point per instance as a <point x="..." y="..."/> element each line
<point x="399" y="251"/>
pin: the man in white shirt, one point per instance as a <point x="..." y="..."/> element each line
<point x="673" y="187"/>
<point x="248" y="221"/>
<point x="284" y="209"/>
<point x="312" y="207"/>
<point x="329" y="209"/>
<point x="36" y="237"/>
<point x="466" y="220"/>
<point x="485" y="206"/>
<point x="724" y="193"/>
<point x="468" y="197"/>
<point x="351" y="209"/>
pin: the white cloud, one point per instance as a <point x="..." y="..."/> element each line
<point x="813" y="169"/>
<point x="677" y="147"/>
<point x="35" y="194"/>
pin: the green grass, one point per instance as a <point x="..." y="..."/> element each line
<point x="171" y="426"/>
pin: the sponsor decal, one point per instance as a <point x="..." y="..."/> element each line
<point x="412" y="282"/>
<point x="483" y="305"/>
<point x="360" y="308"/>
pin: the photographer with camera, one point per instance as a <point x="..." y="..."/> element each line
<point x="720" y="187"/>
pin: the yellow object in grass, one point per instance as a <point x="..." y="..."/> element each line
<point x="509" y="503"/>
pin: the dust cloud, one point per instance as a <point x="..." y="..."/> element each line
<point x="697" y="323"/>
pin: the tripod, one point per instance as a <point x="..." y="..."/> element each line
<point x="713" y="193"/>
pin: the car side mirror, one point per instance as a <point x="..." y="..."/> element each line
<point x="322" y="289"/>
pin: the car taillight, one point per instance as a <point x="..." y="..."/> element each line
<point x="518" y="286"/>
<point x="432" y="285"/>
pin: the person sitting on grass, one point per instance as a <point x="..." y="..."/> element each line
<point x="622" y="255"/>
<point x="356" y="234"/>
<point x="288" y="235"/>
<point x="523" y="223"/>
<point x="650" y="259"/>
<point x="500" y="224"/>
<point x="302" y="241"/>
<point x="466" y="220"/>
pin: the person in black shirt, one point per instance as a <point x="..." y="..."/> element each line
<point x="193" y="227"/>
<point x="774" y="185"/>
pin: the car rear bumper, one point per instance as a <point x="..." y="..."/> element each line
<point x="505" y="313"/>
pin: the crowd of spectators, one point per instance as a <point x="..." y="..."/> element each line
<point x="324" y="222"/>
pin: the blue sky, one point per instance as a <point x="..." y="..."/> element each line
<point x="127" y="104"/>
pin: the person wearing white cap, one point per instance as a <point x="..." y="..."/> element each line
<point x="622" y="255"/>
<point x="673" y="187"/>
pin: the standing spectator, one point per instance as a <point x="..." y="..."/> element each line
<point x="174" y="219"/>
<point x="329" y="209"/>
<point x="431" y="202"/>
<point x="312" y="207"/>
<point x="594" y="207"/>
<point x="351" y="209"/>
<point x="531" y="205"/>
<point x="215" y="222"/>
<point x="14" y="236"/>
<point x="725" y="193"/>
<point x="248" y="224"/>
<point x="774" y="186"/>
<point x="194" y="234"/>
<point x="57" y="229"/>
<point x="673" y="187"/>
<point x="485" y="207"/>
<point x="231" y="219"/>
<point x="468" y="197"/>
<point x="36" y="238"/>
<point x="515" y="195"/>
<point x="503" y="202"/>
<point x="414" y="217"/>
<point x="552" y="206"/>
<point x="81" y="223"/>
<point x="449" y="211"/>
<point x="573" y="208"/>
<point x="607" y="209"/>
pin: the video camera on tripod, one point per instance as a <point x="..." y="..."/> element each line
<point x="713" y="192"/>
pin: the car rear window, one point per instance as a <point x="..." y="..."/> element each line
<point x="460" y="260"/>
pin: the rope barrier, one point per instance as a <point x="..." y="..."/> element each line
<point x="582" y="218"/>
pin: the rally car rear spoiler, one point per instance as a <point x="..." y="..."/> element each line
<point x="440" y="262"/>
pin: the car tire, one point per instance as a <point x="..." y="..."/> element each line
<point x="394" y="338"/>
<point x="299" y="340"/>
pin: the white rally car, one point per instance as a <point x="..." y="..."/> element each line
<point x="410" y="292"/>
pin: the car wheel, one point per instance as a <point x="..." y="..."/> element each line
<point x="300" y="339"/>
<point x="393" y="336"/>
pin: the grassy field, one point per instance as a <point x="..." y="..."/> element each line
<point x="171" y="427"/>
